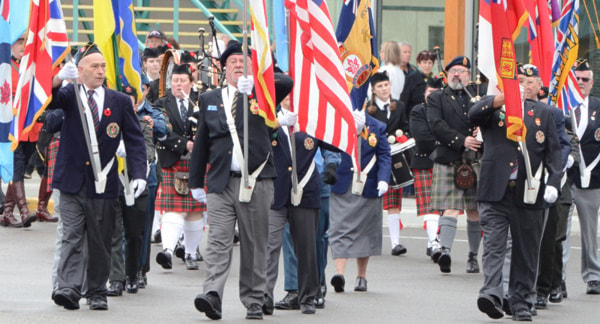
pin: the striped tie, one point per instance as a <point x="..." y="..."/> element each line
<point x="183" y="110"/>
<point x="93" y="108"/>
<point x="578" y="114"/>
<point x="234" y="104"/>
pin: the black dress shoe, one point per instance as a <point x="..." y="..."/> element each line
<point x="66" y="300"/>
<point x="541" y="302"/>
<point x="472" y="264"/>
<point x="338" y="282"/>
<point x="361" y="284"/>
<point x="506" y="307"/>
<point x="290" y="301"/>
<point x="268" y="305"/>
<point x="254" y="312"/>
<point x="115" y="289"/>
<point x="98" y="303"/>
<point x="445" y="261"/>
<point x="209" y="304"/>
<point x="308" y="307"/>
<point x="490" y="305"/>
<point x="180" y="252"/>
<point x="157" y="238"/>
<point x="132" y="286"/>
<point x="593" y="287"/>
<point x="164" y="259"/>
<point x="556" y="295"/>
<point x="399" y="249"/>
<point x="522" y="315"/>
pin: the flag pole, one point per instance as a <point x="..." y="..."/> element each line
<point x="244" y="49"/>
<point x="290" y="129"/>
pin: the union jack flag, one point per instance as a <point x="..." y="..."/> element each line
<point x="563" y="89"/>
<point x="320" y="94"/>
<point x="45" y="47"/>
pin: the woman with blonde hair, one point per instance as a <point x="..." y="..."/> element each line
<point x="390" y="63"/>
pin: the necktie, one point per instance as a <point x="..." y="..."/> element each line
<point x="386" y="107"/>
<point x="93" y="108"/>
<point x="183" y="109"/>
<point x="234" y="104"/>
<point x="578" y="114"/>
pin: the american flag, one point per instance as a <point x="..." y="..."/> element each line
<point x="262" y="63"/>
<point x="320" y="95"/>
<point x="45" y="48"/>
<point x="563" y="90"/>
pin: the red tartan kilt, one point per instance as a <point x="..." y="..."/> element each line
<point x="423" y="181"/>
<point x="51" y="153"/>
<point x="167" y="200"/>
<point x="392" y="199"/>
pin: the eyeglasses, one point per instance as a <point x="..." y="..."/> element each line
<point x="584" y="80"/>
<point x="457" y="71"/>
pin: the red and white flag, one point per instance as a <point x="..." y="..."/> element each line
<point x="262" y="63"/>
<point x="320" y="94"/>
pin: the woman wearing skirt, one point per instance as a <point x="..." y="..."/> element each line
<point x="356" y="215"/>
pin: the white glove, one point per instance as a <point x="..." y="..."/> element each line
<point x="199" y="195"/>
<point x="550" y="194"/>
<point x="382" y="188"/>
<point x="121" y="150"/>
<point x="245" y="85"/>
<point x="68" y="71"/>
<point x="288" y="119"/>
<point x="359" y="120"/>
<point x="138" y="185"/>
<point x="570" y="161"/>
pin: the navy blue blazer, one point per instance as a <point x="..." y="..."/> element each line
<point x="500" y="153"/>
<point x="73" y="168"/>
<point x="373" y="142"/>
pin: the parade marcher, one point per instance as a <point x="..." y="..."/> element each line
<point x="151" y="63"/>
<point x="585" y="175"/>
<point x="422" y="166"/>
<point x="405" y="56"/>
<point x="182" y="212"/>
<point x="301" y="211"/>
<point x="414" y="89"/>
<point x="87" y="206"/>
<point x="505" y="202"/>
<point x="214" y="145"/>
<point x="393" y="114"/>
<point x="456" y="145"/>
<point x="355" y="212"/>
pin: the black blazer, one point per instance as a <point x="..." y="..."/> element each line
<point x="589" y="145"/>
<point x="500" y="153"/>
<point x="398" y="118"/>
<point x="213" y="143"/>
<point x="424" y="140"/>
<point x="73" y="169"/>
<point x="414" y="90"/>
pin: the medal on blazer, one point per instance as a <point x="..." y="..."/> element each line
<point x="538" y="122"/>
<point x="502" y="117"/>
<point x="112" y="130"/>
<point x="309" y="144"/>
<point x="254" y="106"/>
<point x="540" y="137"/>
<point x="372" y="140"/>
<point x="597" y="135"/>
<point x="593" y="115"/>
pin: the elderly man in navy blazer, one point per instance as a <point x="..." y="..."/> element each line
<point x="87" y="211"/>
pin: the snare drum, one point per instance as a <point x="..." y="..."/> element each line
<point x="402" y="175"/>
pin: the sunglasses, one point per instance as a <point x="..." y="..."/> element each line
<point x="457" y="71"/>
<point x="584" y="80"/>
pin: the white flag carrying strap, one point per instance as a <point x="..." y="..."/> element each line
<point x="586" y="175"/>
<point x="297" y="196"/>
<point x="99" y="175"/>
<point x="358" y="183"/>
<point x="245" y="192"/>
<point x="127" y="190"/>
<point x="532" y="186"/>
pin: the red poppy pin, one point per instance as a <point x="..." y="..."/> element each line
<point x="107" y="112"/>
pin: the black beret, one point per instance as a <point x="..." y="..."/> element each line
<point x="435" y="82"/>
<point x="89" y="48"/>
<point x="379" y="77"/>
<point x="582" y="65"/>
<point x="233" y="48"/>
<point x="128" y="90"/>
<point x="182" y="69"/>
<point x="459" y="60"/>
<point x="162" y="49"/>
<point x="531" y="70"/>
<point x="150" y="53"/>
<point x="188" y="57"/>
<point x="543" y="93"/>
<point x="520" y="69"/>
<point x="283" y="86"/>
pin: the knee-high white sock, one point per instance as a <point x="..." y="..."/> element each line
<point x="156" y="221"/>
<point x="172" y="226"/>
<point x="431" y="226"/>
<point x="192" y="235"/>
<point x="394" y="226"/>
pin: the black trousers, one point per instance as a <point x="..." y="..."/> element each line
<point x="85" y="219"/>
<point x="21" y="159"/>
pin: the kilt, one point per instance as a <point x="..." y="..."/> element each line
<point x="355" y="224"/>
<point x="392" y="199"/>
<point x="445" y="195"/>
<point x="168" y="200"/>
<point x="423" y="179"/>
<point x="51" y="159"/>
